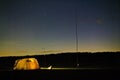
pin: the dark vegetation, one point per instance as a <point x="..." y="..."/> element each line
<point x="109" y="61"/>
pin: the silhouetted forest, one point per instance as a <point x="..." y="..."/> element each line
<point x="85" y="60"/>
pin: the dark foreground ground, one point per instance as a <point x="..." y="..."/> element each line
<point x="104" y="74"/>
<point x="105" y="66"/>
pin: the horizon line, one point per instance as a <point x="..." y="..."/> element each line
<point x="61" y="53"/>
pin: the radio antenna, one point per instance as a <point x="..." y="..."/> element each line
<point x="76" y="26"/>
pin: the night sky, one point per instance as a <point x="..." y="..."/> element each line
<point x="34" y="27"/>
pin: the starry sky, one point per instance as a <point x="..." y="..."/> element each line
<point x="34" y="27"/>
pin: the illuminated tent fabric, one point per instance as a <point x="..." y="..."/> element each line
<point x="26" y="64"/>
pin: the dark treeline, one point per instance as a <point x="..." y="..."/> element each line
<point x="99" y="59"/>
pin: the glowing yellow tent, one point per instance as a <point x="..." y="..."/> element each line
<point x="26" y="64"/>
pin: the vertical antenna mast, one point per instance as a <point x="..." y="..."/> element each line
<point x="76" y="31"/>
<point x="76" y="26"/>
